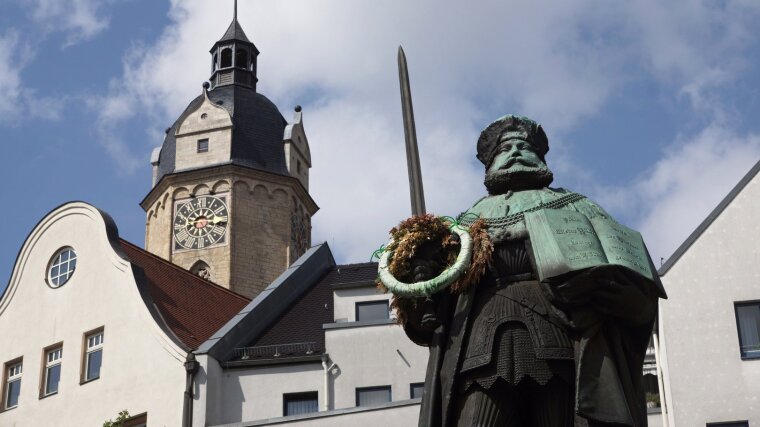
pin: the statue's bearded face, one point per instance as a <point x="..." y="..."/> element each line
<point x="516" y="166"/>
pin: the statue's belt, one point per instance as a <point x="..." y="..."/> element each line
<point x="505" y="221"/>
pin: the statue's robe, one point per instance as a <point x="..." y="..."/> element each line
<point x="608" y="352"/>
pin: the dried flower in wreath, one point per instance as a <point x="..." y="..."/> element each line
<point x="426" y="242"/>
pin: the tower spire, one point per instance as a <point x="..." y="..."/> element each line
<point x="234" y="13"/>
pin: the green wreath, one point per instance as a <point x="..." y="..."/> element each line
<point x="463" y="260"/>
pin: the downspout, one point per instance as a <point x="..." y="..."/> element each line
<point x="191" y="368"/>
<point x="660" y="380"/>
<point x="326" y="394"/>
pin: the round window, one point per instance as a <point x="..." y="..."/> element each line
<point x="62" y="267"/>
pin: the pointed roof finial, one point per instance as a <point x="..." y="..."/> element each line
<point x="234" y="14"/>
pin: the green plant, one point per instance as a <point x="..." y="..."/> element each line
<point x="123" y="415"/>
<point x="653" y="398"/>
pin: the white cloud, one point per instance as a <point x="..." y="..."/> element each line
<point x="690" y="181"/>
<point x="79" y="19"/>
<point x="470" y="62"/>
<point x="17" y="102"/>
<point x="10" y="90"/>
<point x="676" y="194"/>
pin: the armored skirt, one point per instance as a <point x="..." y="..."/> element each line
<point x="512" y="335"/>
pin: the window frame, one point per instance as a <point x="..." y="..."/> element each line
<point x="139" y="420"/>
<point x="7" y="379"/>
<point x="285" y="397"/>
<point x="368" y="303"/>
<point x="87" y="351"/>
<point x="374" y="388"/>
<point x="742" y="354"/>
<point x="411" y="389"/>
<point x="47" y="365"/>
<point x="55" y="262"/>
<point x="201" y="147"/>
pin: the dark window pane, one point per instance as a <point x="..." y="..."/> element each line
<point x="300" y="403"/>
<point x="226" y="58"/>
<point x="374" y="310"/>
<point x="729" y="424"/>
<point x="371" y="396"/>
<point x="416" y="390"/>
<point x="203" y="145"/>
<point x="93" y="364"/>
<point x="14" y="389"/>
<point x="241" y="58"/>
<point x="748" y="318"/>
<point x="53" y="376"/>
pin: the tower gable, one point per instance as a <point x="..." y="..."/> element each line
<point x="297" y="153"/>
<point x="203" y="136"/>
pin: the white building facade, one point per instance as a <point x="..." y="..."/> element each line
<point x="708" y="328"/>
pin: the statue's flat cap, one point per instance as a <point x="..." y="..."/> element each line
<point x="522" y="127"/>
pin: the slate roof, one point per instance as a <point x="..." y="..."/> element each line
<point x="192" y="308"/>
<point x="303" y="321"/>
<point x="257" y="131"/>
<point x="234" y="32"/>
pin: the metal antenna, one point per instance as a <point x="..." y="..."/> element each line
<point x="416" y="192"/>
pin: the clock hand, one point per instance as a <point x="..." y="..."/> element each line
<point x="216" y="220"/>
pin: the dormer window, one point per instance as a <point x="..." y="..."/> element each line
<point x="226" y="58"/>
<point x="203" y="145"/>
<point x="241" y="58"/>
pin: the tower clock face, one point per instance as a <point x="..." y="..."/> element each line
<point x="200" y="222"/>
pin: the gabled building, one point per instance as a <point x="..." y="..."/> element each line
<point x="91" y="325"/>
<point x="318" y="346"/>
<point x="709" y="337"/>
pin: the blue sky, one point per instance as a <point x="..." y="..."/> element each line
<point x="650" y="108"/>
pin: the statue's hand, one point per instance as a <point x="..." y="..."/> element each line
<point x="423" y="269"/>
<point x="618" y="295"/>
<point x="429" y="320"/>
<point x="426" y="265"/>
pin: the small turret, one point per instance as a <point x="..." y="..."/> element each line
<point x="233" y="58"/>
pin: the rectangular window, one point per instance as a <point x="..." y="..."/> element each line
<point x="371" y="396"/>
<point x="140" y="420"/>
<point x="52" y="374"/>
<point x="748" y="324"/>
<point x="372" y="310"/>
<point x="12" y="383"/>
<point x="415" y="390"/>
<point x="203" y="145"/>
<point x="300" y="403"/>
<point x="93" y="355"/>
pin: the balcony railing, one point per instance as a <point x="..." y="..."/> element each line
<point x="279" y="350"/>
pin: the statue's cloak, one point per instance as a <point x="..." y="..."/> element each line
<point x="609" y="351"/>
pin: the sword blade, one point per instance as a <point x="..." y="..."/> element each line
<point x="416" y="192"/>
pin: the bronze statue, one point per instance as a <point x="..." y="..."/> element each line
<point x="554" y="333"/>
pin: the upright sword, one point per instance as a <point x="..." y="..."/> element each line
<point x="416" y="192"/>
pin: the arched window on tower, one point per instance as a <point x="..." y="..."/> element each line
<point x="241" y="58"/>
<point x="226" y="58"/>
<point x="213" y="62"/>
<point x="202" y="270"/>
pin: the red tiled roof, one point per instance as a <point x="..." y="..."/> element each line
<point x="193" y="308"/>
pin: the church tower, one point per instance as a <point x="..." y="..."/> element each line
<point x="230" y="193"/>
